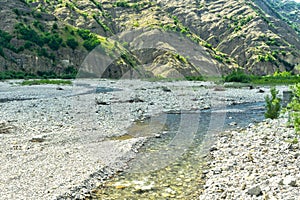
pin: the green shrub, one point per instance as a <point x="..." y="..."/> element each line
<point x="207" y="45"/>
<point x="294" y="107"/>
<point x="123" y="4"/>
<point x="70" y="72"/>
<point x="38" y="25"/>
<point x="195" y="78"/>
<point x="15" y="75"/>
<point x="55" y="42"/>
<point x="91" y="43"/>
<point x="55" y="26"/>
<point x="27" y="33"/>
<point x="284" y="74"/>
<point x="5" y="39"/>
<point x="272" y="104"/>
<point x="1" y="52"/>
<point x="90" y="40"/>
<point x="72" y="43"/>
<point x="84" y="34"/>
<point x="129" y="59"/>
<point x="238" y="76"/>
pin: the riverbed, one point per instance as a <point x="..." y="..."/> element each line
<point x="64" y="141"/>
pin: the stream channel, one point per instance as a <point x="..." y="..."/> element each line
<point x="170" y="164"/>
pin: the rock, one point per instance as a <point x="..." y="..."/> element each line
<point x="165" y="89"/>
<point x="291" y="181"/>
<point x="166" y="195"/>
<point x="136" y="100"/>
<point x="296" y="155"/>
<point x="255" y="191"/>
<point x="170" y="191"/>
<point x="5" y="128"/>
<point x="243" y="187"/>
<point x="120" y="186"/>
<point x="260" y="91"/>
<point x="143" y="188"/>
<point x="213" y="148"/>
<point x="37" y="139"/>
<point x="233" y="123"/>
<point x="218" y="88"/>
<point x="206" y="107"/>
<point x="217" y="171"/>
<point x="102" y="103"/>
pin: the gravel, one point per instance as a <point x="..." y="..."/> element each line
<point x="259" y="162"/>
<point x="56" y="141"/>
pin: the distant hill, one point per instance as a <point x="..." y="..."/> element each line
<point x="164" y="38"/>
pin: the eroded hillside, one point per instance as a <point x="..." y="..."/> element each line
<point x="147" y="38"/>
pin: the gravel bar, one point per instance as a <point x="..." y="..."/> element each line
<point x="56" y="141"/>
<point x="259" y="162"/>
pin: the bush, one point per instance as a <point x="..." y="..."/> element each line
<point x="238" y="76"/>
<point x="195" y="78"/>
<point x="72" y="43"/>
<point x="123" y="4"/>
<point x="284" y="74"/>
<point x="15" y="75"/>
<point x="84" y="34"/>
<point x="294" y="107"/>
<point x="91" y="43"/>
<point x="5" y="39"/>
<point x="1" y="52"/>
<point x="55" y="42"/>
<point x="27" y="33"/>
<point x="55" y="26"/>
<point x="272" y="104"/>
<point x="90" y="40"/>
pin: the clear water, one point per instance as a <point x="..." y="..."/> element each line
<point x="170" y="165"/>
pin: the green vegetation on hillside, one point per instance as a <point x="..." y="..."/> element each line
<point x="68" y="73"/>
<point x="249" y="34"/>
<point x="289" y="11"/>
<point x="90" y="39"/>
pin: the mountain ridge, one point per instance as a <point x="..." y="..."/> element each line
<point x="260" y="37"/>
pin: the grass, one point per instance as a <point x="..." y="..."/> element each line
<point x="187" y="78"/>
<point x="278" y="78"/>
<point x="46" y="81"/>
<point x="271" y="80"/>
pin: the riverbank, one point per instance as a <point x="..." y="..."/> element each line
<point x="259" y="162"/>
<point x="61" y="142"/>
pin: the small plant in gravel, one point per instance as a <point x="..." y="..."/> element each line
<point x="293" y="108"/>
<point x="273" y="104"/>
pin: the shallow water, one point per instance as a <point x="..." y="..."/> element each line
<point x="170" y="164"/>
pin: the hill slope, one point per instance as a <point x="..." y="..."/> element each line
<point x="149" y="38"/>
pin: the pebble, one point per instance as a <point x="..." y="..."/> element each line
<point x="255" y="191"/>
<point x="266" y="164"/>
<point x="72" y="153"/>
